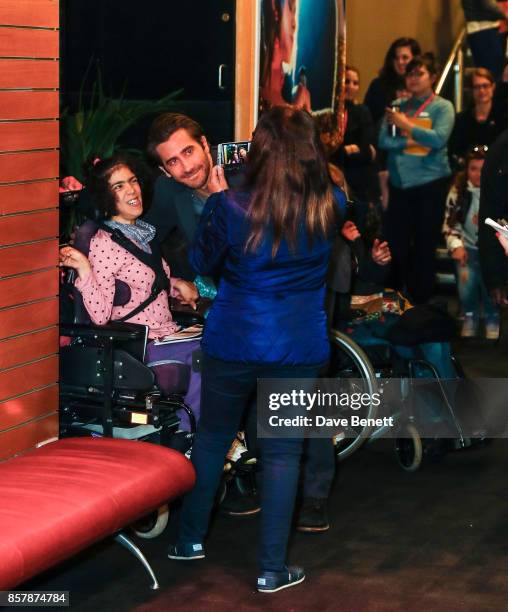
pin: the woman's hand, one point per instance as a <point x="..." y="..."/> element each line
<point x="72" y="258"/>
<point x="398" y="119"/>
<point x="216" y="181"/>
<point x="381" y="253"/>
<point x="503" y="242"/>
<point x="349" y="231"/>
<point x="186" y="292"/>
<point x="460" y="255"/>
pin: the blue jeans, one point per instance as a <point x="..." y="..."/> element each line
<point x="488" y="49"/>
<point x="472" y="290"/>
<point x="226" y="391"/>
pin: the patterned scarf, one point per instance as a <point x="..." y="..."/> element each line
<point x="140" y="232"/>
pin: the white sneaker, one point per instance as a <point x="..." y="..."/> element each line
<point x="469" y="326"/>
<point x="492" y="330"/>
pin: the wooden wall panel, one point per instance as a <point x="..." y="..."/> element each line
<point x="17" y="42"/>
<point x="28" y="406"/>
<point x="21" y="379"/>
<point x="19" y="439"/>
<point x="28" y="288"/>
<point x="29" y="347"/>
<point x="29" y="135"/>
<point x="28" y="196"/>
<point x="29" y="273"/>
<point x="28" y="105"/>
<point x="35" y="13"/>
<point x="16" y="167"/>
<point x="27" y="257"/>
<point x="28" y="74"/>
<point x="31" y="226"/>
<point x="28" y="317"/>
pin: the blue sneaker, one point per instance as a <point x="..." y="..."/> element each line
<point x="186" y="552"/>
<point x="271" y="582"/>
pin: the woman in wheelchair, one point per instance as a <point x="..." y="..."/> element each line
<point x="124" y="259"/>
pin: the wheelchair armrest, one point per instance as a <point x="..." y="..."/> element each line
<point x="187" y="318"/>
<point x="120" y="332"/>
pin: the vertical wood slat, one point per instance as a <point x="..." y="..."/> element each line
<point x="28" y="196"/>
<point x="28" y="317"/>
<point x="17" y="42"/>
<point x="28" y="105"/>
<point x="15" y="167"/>
<point x="28" y="74"/>
<point x="28" y="257"/>
<point x="28" y="288"/>
<point x="20" y="379"/>
<point x="29" y="165"/>
<point x="29" y="135"/>
<point x="27" y="407"/>
<point x="35" y="13"/>
<point x="19" y="439"/>
<point x="30" y="347"/>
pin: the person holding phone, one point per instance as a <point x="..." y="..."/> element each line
<point x="267" y="321"/>
<point x="419" y="175"/>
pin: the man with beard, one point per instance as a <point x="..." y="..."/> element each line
<point x="180" y="148"/>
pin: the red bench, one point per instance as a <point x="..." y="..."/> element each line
<point x="60" y="498"/>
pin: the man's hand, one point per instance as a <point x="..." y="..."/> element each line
<point x="186" y="292"/>
<point x="503" y="242"/>
<point x="351" y="149"/>
<point x="381" y="253"/>
<point x="460" y="254"/>
<point x="349" y="231"/>
<point x="72" y="258"/>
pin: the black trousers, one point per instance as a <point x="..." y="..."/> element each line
<point x="413" y="225"/>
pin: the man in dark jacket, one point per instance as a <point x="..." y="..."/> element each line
<point x="494" y="204"/>
<point x="178" y="145"/>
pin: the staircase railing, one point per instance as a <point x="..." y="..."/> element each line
<point x="455" y="61"/>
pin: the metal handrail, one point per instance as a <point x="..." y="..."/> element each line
<point x="451" y="60"/>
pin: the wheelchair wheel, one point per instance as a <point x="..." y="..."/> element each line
<point x="352" y="366"/>
<point x="153" y="524"/>
<point x="409" y="448"/>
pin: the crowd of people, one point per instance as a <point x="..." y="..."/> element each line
<point x="266" y="251"/>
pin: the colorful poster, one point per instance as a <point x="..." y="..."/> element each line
<point x="302" y="58"/>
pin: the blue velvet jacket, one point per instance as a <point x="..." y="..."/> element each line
<point x="267" y="310"/>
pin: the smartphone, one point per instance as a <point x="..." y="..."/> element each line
<point x="233" y="153"/>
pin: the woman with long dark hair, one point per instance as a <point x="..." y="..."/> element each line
<point x="391" y="81"/>
<point x="270" y="243"/>
<point x="419" y="174"/>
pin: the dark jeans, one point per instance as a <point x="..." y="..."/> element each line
<point x="488" y="49"/>
<point x="226" y="389"/>
<point x="413" y="227"/>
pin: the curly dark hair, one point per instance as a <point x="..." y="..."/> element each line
<point x="388" y="75"/>
<point x="460" y="180"/>
<point x="99" y="171"/>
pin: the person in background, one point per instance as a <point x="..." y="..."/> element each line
<point x="419" y="173"/>
<point x="356" y="154"/>
<point x="461" y="233"/>
<point x="391" y="82"/>
<point x="481" y="123"/>
<point x="384" y="89"/>
<point x="494" y="204"/>
<point x="270" y="243"/>
<point x="486" y="42"/>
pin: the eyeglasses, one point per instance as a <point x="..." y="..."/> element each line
<point x="482" y="86"/>
<point x="416" y="74"/>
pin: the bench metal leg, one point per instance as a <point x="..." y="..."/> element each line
<point x="127" y="543"/>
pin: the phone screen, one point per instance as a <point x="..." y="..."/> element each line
<point x="233" y="153"/>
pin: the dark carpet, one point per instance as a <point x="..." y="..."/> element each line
<point x="432" y="540"/>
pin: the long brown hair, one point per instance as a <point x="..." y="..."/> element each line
<point x="288" y="179"/>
